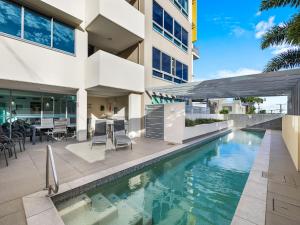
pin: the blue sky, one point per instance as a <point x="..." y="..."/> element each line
<point x="228" y="37"/>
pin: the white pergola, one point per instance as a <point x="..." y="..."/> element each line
<point x="283" y="83"/>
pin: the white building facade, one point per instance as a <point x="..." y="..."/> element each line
<point x="89" y="59"/>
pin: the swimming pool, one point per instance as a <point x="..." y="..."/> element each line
<point x="202" y="186"/>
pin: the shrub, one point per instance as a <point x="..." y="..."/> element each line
<point x="191" y="123"/>
<point x="224" y="111"/>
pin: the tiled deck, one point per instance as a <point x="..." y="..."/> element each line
<point x="283" y="197"/>
<point x="26" y="174"/>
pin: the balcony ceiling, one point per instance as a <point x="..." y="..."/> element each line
<point x="263" y="84"/>
<point x="106" y="92"/>
<point x="110" y="36"/>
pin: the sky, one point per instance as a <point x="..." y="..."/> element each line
<point x="229" y="37"/>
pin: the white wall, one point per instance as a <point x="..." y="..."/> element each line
<point x="26" y="62"/>
<point x="174" y="122"/>
<point x="106" y="69"/>
<point x="118" y="11"/>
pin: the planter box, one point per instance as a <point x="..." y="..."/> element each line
<point x="199" y="130"/>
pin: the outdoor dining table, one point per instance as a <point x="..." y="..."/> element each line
<point x="39" y="127"/>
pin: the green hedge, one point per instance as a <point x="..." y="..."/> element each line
<point x="191" y="123"/>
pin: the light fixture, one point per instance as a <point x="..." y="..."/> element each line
<point x="12" y="103"/>
<point x="47" y="104"/>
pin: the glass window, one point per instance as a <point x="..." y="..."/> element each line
<point x="168" y="22"/>
<point x="10" y="18"/>
<point x="37" y="28"/>
<point x="166" y="63"/>
<point x="156" y="59"/>
<point x="177" y="81"/>
<point x="157" y="74"/>
<point x="185" y="72"/>
<point x="177" y="30"/>
<point x="178" y="69"/>
<point x="185" y="5"/>
<point x="169" y="78"/>
<point x="63" y="37"/>
<point x="185" y="37"/>
<point x="157" y="13"/>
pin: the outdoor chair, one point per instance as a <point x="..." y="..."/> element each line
<point x="3" y="149"/>
<point x="16" y="137"/>
<point x="120" y="137"/>
<point x="100" y="133"/>
<point x="59" y="130"/>
<point x="9" y="145"/>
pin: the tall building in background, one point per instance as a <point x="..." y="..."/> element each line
<point x="91" y="59"/>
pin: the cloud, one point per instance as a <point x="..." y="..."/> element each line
<point x="263" y="26"/>
<point x="238" y="31"/>
<point x="282" y="48"/>
<point x="258" y="13"/>
<point x="235" y="73"/>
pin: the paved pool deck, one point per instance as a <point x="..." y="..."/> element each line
<point x="26" y="175"/>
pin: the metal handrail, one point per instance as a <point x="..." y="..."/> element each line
<point x="50" y="158"/>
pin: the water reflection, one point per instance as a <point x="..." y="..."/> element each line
<point x="200" y="187"/>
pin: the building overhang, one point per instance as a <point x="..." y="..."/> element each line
<point x="114" y="25"/>
<point x="263" y="84"/>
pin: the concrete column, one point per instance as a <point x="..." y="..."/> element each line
<point x="81" y="115"/>
<point x="134" y="115"/>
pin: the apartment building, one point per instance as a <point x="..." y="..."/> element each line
<point x="91" y="59"/>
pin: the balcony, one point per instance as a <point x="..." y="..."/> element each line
<point x="110" y="75"/>
<point x="114" y="25"/>
<point x="196" y="54"/>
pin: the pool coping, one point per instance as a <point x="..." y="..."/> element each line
<point x="40" y="209"/>
<point x="251" y="209"/>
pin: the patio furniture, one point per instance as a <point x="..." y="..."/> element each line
<point x="120" y="137"/>
<point x="3" y="149"/>
<point x="100" y="134"/>
<point x="15" y="137"/>
<point x="9" y="145"/>
<point x="59" y="130"/>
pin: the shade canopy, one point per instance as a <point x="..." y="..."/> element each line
<point x="263" y="84"/>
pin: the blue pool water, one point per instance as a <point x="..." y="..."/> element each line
<point x="200" y="187"/>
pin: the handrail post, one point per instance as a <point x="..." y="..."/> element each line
<point x="50" y="159"/>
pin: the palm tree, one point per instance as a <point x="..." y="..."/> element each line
<point x="287" y="33"/>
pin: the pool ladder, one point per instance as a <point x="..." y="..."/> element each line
<point x="50" y="159"/>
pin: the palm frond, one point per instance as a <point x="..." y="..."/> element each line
<point x="286" y="60"/>
<point x="277" y="35"/>
<point x="268" y="4"/>
<point x="293" y="30"/>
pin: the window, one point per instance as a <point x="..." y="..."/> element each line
<point x="168" y="27"/>
<point x="166" y="63"/>
<point x="156" y="59"/>
<point x="182" y="5"/>
<point x="185" y="37"/>
<point x="168" y="68"/>
<point x="37" y="28"/>
<point x="63" y="37"/>
<point x="168" y="22"/>
<point x="158" y="14"/>
<point x="185" y="72"/>
<point x="10" y="18"/>
<point x="178" y="69"/>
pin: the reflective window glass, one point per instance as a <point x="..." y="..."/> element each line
<point x="63" y="37"/>
<point x="156" y="59"/>
<point x="166" y="63"/>
<point x="185" y="72"/>
<point x="10" y="18"/>
<point x="185" y="37"/>
<point x="177" y="30"/>
<point x="157" y="13"/>
<point x="168" y="22"/>
<point x="37" y="28"/>
<point x="178" y="69"/>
